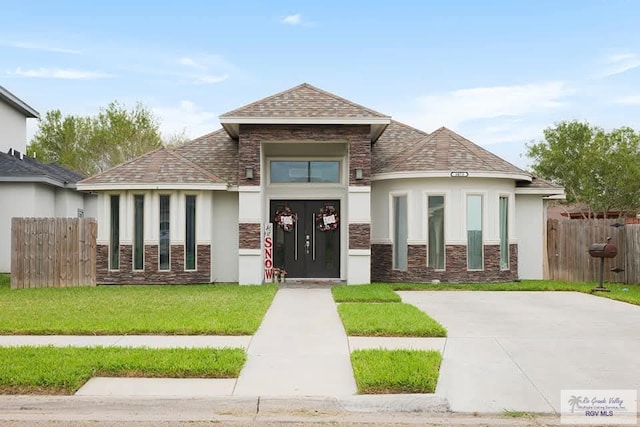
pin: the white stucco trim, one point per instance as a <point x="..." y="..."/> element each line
<point x="359" y="189"/>
<point x="447" y="174"/>
<point x="249" y="189"/>
<point x="250" y="252"/>
<point x="359" y="252"/>
<point x="383" y="241"/>
<point x="138" y="187"/>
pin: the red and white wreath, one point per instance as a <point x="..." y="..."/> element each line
<point x="286" y="218"/>
<point x="327" y="219"/>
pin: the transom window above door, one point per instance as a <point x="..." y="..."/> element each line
<point x="324" y="171"/>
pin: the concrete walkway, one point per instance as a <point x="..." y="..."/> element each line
<point x="300" y="349"/>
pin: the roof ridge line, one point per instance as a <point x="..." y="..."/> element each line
<point x="339" y="98"/>
<point x="467" y="143"/>
<point x="410" y="127"/>
<point x="417" y="146"/>
<point x="263" y="99"/>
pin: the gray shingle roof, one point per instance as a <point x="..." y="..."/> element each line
<point x="215" y="152"/>
<point x="304" y="101"/>
<point x="17" y="169"/>
<point x="445" y="150"/>
<point x="537" y="182"/>
<point x="395" y="140"/>
<point x="161" y="166"/>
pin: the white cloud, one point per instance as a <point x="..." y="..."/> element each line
<point x="189" y="62"/>
<point x="292" y="19"/>
<point x="186" y="117"/>
<point x="36" y="46"/>
<point x="454" y="108"/>
<point x="58" y="73"/>
<point x="205" y="69"/>
<point x="209" y="79"/>
<point x="629" y="100"/>
<point x="620" y="63"/>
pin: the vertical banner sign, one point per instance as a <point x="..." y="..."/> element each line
<point x="268" y="252"/>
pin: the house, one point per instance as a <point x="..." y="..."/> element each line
<point x="314" y="184"/>
<point x="29" y="188"/>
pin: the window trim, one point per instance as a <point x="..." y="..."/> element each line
<point x="508" y="197"/>
<point x="119" y="196"/>
<point x="341" y="168"/>
<point x="392" y="234"/>
<point x="445" y="203"/>
<point x="160" y="195"/>
<point x="483" y="223"/>
<point x="133" y="240"/>
<point x="195" y="233"/>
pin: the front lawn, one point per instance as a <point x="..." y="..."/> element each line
<point x="364" y="293"/>
<point x="620" y="292"/>
<point x="63" y="370"/>
<point x="396" y="371"/>
<point x="128" y="310"/>
<point x="388" y="320"/>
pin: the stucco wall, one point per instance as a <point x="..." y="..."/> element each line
<point x="531" y="231"/>
<point x="67" y="203"/>
<point x="13" y="129"/>
<point x="224" y="238"/>
<point x="21" y="200"/>
<point x="454" y="191"/>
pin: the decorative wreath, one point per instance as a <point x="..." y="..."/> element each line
<point x="327" y="219"/>
<point x="286" y="218"/>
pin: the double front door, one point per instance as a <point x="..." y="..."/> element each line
<point x="306" y="238"/>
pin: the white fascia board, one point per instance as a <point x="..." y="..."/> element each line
<point x="168" y="186"/>
<point x="542" y="191"/>
<point x="35" y="179"/>
<point x="447" y="174"/>
<point x="306" y="120"/>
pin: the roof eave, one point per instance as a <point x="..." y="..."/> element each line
<point x="18" y="104"/>
<point x="38" y="179"/>
<point x="149" y="186"/>
<point x="231" y="124"/>
<point x="541" y="191"/>
<point x="450" y="174"/>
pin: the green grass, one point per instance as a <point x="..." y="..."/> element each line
<point x="126" y="310"/>
<point x="63" y="370"/>
<point x="388" y="320"/>
<point x="5" y="280"/>
<point x="396" y="371"/>
<point x="364" y="293"/>
<point x="619" y="292"/>
<point x="510" y="413"/>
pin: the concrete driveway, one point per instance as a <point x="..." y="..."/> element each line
<point x="517" y="350"/>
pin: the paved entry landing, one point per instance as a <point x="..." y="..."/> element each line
<point x="300" y="349"/>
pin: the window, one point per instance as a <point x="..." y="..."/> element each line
<point x="435" y="225"/>
<point x="400" y="232"/>
<point x="114" y="238"/>
<point x="316" y="171"/>
<point x="504" y="233"/>
<point x="474" y="232"/>
<point x="165" y="243"/>
<point x="138" y="232"/>
<point x="190" y="240"/>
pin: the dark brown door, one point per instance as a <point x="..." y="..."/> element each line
<point x="306" y="251"/>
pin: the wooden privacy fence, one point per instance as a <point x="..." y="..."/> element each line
<point x="53" y="252"/>
<point x="568" y="242"/>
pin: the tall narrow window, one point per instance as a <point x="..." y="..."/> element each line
<point x="474" y="232"/>
<point x="114" y="237"/>
<point x="504" y="233"/>
<point x="165" y="243"/>
<point x="400" y="232"/>
<point x="190" y="240"/>
<point x="138" y="232"/>
<point x="435" y="205"/>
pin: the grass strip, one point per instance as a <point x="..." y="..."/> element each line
<point x="127" y="310"/>
<point x="388" y="320"/>
<point x="396" y="371"/>
<point x="364" y="293"/>
<point x="619" y="292"/>
<point x="63" y="370"/>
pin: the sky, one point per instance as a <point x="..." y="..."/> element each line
<point x="497" y="72"/>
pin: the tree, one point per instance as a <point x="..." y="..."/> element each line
<point x="597" y="168"/>
<point x="94" y="143"/>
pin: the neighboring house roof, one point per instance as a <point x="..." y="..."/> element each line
<point x="163" y="168"/>
<point x="18" y="104"/>
<point x="18" y="168"/>
<point x="444" y="151"/>
<point x="540" y="186"/>
<point x="304" y="104"/>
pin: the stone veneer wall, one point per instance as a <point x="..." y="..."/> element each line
<point x="151" y="275"/>
<point x="359" y="236"/>
<point x="249" y="236"/>
<point x="455" y="264"/>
